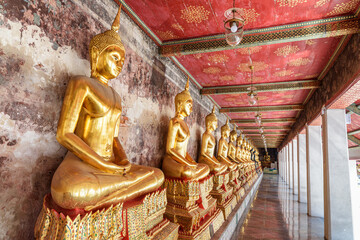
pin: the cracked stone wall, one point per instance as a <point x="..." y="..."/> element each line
<point x="45" y="42"/>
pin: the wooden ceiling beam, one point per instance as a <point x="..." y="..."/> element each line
<point x="354" y="108"/>
<point x="354" y="132"/>
<point x="354" y="139"/>
<point x="265" y="127"/>
<point x="323" y="28"/>
<point x="295" y="107"/>
<point x="265" y="133"/>
<point x="266" y="120"/>
<point x="262" y="87"/>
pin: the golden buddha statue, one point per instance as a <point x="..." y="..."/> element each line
<point x="177" y="162"/>
<point x="232" y="147"/>
<point x="95" y="173"/>
<point x="188" y="183"/>
<point x="221" y="191"/>
<point x="208" y="144"/>
<point x="224" y="147"/>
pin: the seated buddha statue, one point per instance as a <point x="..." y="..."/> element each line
<point x="95" y="172"/>
<point x="224" y="147"/>
<point x="208" y="144"/>
<point x="239" y="141"/>
<point x="177" y="162"/>
<point x="232" y="147"/>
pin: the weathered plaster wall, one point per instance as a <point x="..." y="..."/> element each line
<point x="45" y="42"/>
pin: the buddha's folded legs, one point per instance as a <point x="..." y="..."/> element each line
<point x="174" y="169"/>
<point x="78" y="185"/>
<point x="214" y="168"/>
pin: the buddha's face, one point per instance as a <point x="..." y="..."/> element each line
<point x="187" y="108"/>
<point x="110" y="62"/>
<point x="233" y="137"/>
<point x="239" y="141"/>
<point x="212" y="124"/>
<point x="225" y="133"/>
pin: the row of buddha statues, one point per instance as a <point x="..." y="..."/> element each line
<point x="96" y="193"/>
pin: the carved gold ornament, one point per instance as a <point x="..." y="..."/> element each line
<point x="195" y="14"/>
<point x="286" y="50"/>
<point x="166" y="35"/>
<point x="290" y="3"/>
<point x="258" y="66"/>
<point x="284" y="73"/>
<point x="250" y="50"/>
<point x="342" y="8"/>
<point x="299" y="62"/>
<point x="212" y="70"/>
<point x="218" y="58"/>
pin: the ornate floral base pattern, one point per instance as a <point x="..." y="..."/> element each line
<point x="191" y="206"/>
<point x="138" y="219"/>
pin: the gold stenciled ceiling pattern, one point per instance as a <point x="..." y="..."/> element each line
<point x="197" y="25"/>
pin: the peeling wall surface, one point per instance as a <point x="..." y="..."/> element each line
<point x="45" y="42"/>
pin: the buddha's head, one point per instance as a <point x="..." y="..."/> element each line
<point x="233" y="135"/>
<point x="225" y="130"/>
<point x="107" y="53"/>
<point x="239" y="140"/>
<point x="211" y="121"/>
<point x="184" y="102"/>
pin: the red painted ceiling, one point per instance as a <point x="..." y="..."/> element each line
<point x="272" y="63"/>
<point x="181" y="19"/>
<point x="172" y="20"/>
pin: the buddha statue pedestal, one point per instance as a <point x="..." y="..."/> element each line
<point x="140" y="218"/>
<point x="191" y="206"/>
<point x="223" y="194"/>
<point x="238" y="191"/>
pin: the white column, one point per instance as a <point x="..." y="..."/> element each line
<point x="301" y="156"/>
<point x="286" y="165"/>
<point x="315" y="180"/>
<point x="295" y="166"/>
<point x="337" y="192"/>
<point x="291" y="169"/>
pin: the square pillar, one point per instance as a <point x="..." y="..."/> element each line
<point x="286" y="165"/>
<point x="337" y="190"/>
<point x="295" y="166"/>
<point x="314" y="164"/>
<point x="291" y="169"/>
<point x="301" y="156"/>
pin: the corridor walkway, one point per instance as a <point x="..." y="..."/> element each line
<point x="276" y="214"/>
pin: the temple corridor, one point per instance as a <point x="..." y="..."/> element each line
<point x="276" y="214"/>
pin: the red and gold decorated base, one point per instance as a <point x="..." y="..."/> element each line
<point x="141" y="218"/>
<point x="191" y="206"/>
<point x="223" y="193"/>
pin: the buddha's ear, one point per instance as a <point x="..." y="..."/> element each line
<point x="93" y="59"/>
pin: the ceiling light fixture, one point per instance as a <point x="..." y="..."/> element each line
<point x="252" y="95"/>
<point x="258" y="119"/>
<point x="233" y="25"/>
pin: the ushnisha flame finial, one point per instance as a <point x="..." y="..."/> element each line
<point x="213" y="110"/>
<point x="116" y="24"/>
<point x="187" y="84"/>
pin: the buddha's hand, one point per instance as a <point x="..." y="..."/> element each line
<point x="125" y="165"/>
<point x="115" y="168"/>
